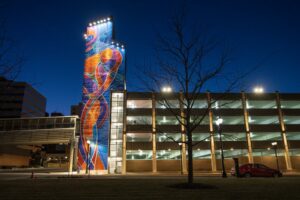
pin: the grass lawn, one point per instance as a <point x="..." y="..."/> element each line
<point x="149" y="188"/>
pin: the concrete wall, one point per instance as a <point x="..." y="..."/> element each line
<point x="295" y="162"/>
<point x="202" y="165"/>
<point x="168" y="165"/>
<point x="270" y="161"/>
<point x="139" y="166"/>
<point x="229" y="163"/>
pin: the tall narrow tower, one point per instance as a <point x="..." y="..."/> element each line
<point x="104" y="70"/>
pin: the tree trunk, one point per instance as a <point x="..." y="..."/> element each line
<point x="190" y="159"/>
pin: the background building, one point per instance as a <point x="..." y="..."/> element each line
<point x="76" y="109"/>
<point x="19" y="99"/>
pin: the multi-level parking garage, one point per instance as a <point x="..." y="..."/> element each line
<point x="251" y="123"/>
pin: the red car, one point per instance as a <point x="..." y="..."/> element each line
<point x="256" y="170"/>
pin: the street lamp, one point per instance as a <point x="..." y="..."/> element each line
<point x="180" y="144"/>
<point x="219" y="121"/>
<point x="274" y="144"/>
<point x="87" y="169"/>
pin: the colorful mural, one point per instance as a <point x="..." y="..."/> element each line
<point x="103" y="71"/>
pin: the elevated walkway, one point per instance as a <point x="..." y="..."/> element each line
<point x="35" y="131"/>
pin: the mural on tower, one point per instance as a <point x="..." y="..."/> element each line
<point x="104" y="70"/>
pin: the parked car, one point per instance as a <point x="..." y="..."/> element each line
<point x="256" y="170"/>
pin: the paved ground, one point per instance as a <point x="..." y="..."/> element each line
<point x="45" y="187"/>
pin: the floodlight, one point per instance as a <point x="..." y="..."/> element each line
<point x="258" y="89"/>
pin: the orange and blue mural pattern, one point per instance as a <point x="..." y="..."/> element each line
<point x="103" y="71"/>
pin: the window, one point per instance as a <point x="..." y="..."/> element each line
<point x="139" y="104"/>
<point x="139" y="120"/>
<point x="201" y="137"/>
<point x="231" y="136"/>
<point x="167" y="120"/>
<point x="267" y="136"/>
<point x="139" y="154"/>
<point x="263" y="120"/>
<point x="201" y="154"/>
<point x="293" y="136"/>
<point x="168" y="154"/>
<point x="227" y="104"/>
<point x="231" y="120"/>
<point x="197" y="119"/>
<point x="168" y="137"/>
<point x="139" y="137"/>
<point x="167" y="104"/>
<point x="231" y="153"/>
<point x="290" y="104"/>
<point x="261" y="104"/>
<point x="291" y="119"/>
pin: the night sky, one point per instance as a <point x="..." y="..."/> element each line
<point x="50" y="35"/>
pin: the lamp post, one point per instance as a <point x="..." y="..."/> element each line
<point x="274" y="144"/>
<point x="219" y="122"/>
<point x="180" y="144"/>
<point x="87" y="169"/>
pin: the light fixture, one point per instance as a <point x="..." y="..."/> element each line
<point x="166" y="89"/>
<point x="231" y="149"/>
<point x="94" y="23"/>
<point x="88" y="141"/>
<point x="108" y="19"/>
<point x="122" y="46"/>
<point x="219" y="121"/>
<point x="269" y="148"/>
<point x="98" y="22"/>
<point x="90" y="24"/>
<point x="140" y="152"/>
<point x="101" y="21"/>
<point x="198" y="149"/>
<point x="104" y="20"/>
<point x="258" y="89"/>
<point x="274" y="143"/>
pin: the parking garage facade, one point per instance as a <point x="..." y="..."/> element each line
<point x="145" y="135"/>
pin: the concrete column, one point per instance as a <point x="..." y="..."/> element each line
<point x="247" y="128"/>
<point x="154" y="163"/>
<point x="71" y="155"/>
<point x="211" y="132"/>
<point x="124" y="153"/>
<point x="288" y="162"/>
<point x="72" y="144"/>
<point x="124" y="138"/>
<point x="183" y="137"/>
<point x="76" y="152"/>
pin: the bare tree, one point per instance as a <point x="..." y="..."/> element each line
<point x="188" y="60"/>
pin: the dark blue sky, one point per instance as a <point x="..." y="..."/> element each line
<point x="50" y="35"/>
